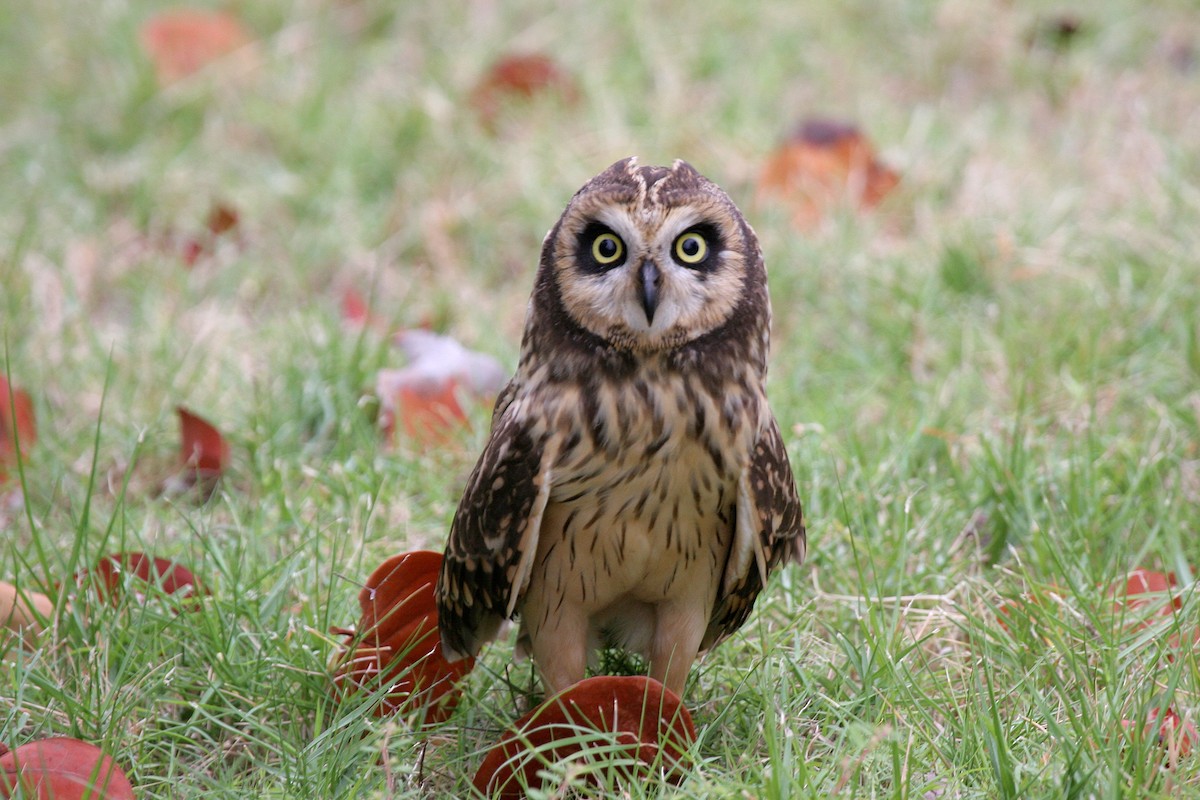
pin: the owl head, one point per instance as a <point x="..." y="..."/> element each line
<point x="646" y="259"/>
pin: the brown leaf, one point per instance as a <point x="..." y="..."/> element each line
<point x="62" y="769"/>
<point x="181" y="42"/>
<point x="1057" y="32"/>
<point x="18" y="430"/>
<point x="400" y="646"/>
<point x="825" y="165"/>
<point x="222" y="220"/>
<point x="648" y="722"/>
<point x="520" y="77"/>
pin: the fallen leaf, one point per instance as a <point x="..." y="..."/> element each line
<point x="644" y="720"/>
<point x="1173" y="733"/>
<point x="1145" y="597"/>
<point x="18" y="430"/>
<point x="1022" y="616"/>
<point x="825" y="165"/>
<point x="1147" y="590"/>
<point x="182" y="42"/>
<point x="354" y="308"/>
<point x="426" y="411"/>
<point x="171" y="577"/>
<point x="399" y="646"/>
<point x="204" y="454"/>
<point x="24" y="612"/>
<point x="62" y="769"/>
<point x="520" y="77"/>
<point x="222" y="220"/>
<point x="1057" y="32"/>
<point x="421" y="398"/>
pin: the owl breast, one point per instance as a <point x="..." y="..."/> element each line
<point x="642" y="507"/>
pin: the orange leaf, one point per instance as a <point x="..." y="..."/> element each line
<point x="400" y="644"/>
<point x="62" y="769"/>
<point x="426" y="411"/>
<point x="23" y="611"/>
<point x="184" y="41"/>
<point x="824" y="165"/>
<point x="18" y="431"/>
<point x="520" y="76"/>
<point x="649" y="721"/>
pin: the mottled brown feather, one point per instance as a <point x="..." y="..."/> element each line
<point x="634" y="436"/>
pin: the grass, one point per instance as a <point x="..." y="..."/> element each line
<point x="990" y="388"/>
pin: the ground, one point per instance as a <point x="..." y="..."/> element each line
<point x="989" y="385"/>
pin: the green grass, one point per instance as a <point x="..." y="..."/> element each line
<point x="990" y="389"/>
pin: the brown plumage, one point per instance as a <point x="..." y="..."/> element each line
<point x="635" y="490"/>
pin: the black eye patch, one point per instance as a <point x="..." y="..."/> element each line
<point x="599" y="249"/>
<point x="698" y="248"/>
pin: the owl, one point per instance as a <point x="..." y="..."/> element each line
<point x="634" y="491"/>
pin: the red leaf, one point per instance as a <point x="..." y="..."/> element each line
<point x="203" y="451"/>
<point x="1174" y="734"/>
<point x="400" y="645"/>
<point x="174" y="578"/>
<point x="184" y="41"/>
<point x="648" y="721"/>
<point x="354" y="308"/>
<point x="191" y="251"/>
<point x="824" y="165"/>
<point x="1145" y="588"/>
<point x="203" y="448"/>
<point x="62" y="769"/>
<point x="1146" y="596"/>
<point x="520" y="76"/>
<point x="18" y="430"/>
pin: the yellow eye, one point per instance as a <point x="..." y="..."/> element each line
<point x="690" y="248"/>
<point x="607" y="248"/>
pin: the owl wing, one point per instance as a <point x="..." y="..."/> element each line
<point x="493" y="538"/>
<point x="769" y="529"/>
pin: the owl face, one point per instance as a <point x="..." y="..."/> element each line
<point x="649" y="258"/>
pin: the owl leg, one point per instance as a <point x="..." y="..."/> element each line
<point x="678" y="631"/>
<point x="559" y="647"/>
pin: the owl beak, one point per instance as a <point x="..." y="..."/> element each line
<point x="651" y="278"/>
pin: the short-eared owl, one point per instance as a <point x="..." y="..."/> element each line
<point x="635" y="491"/>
